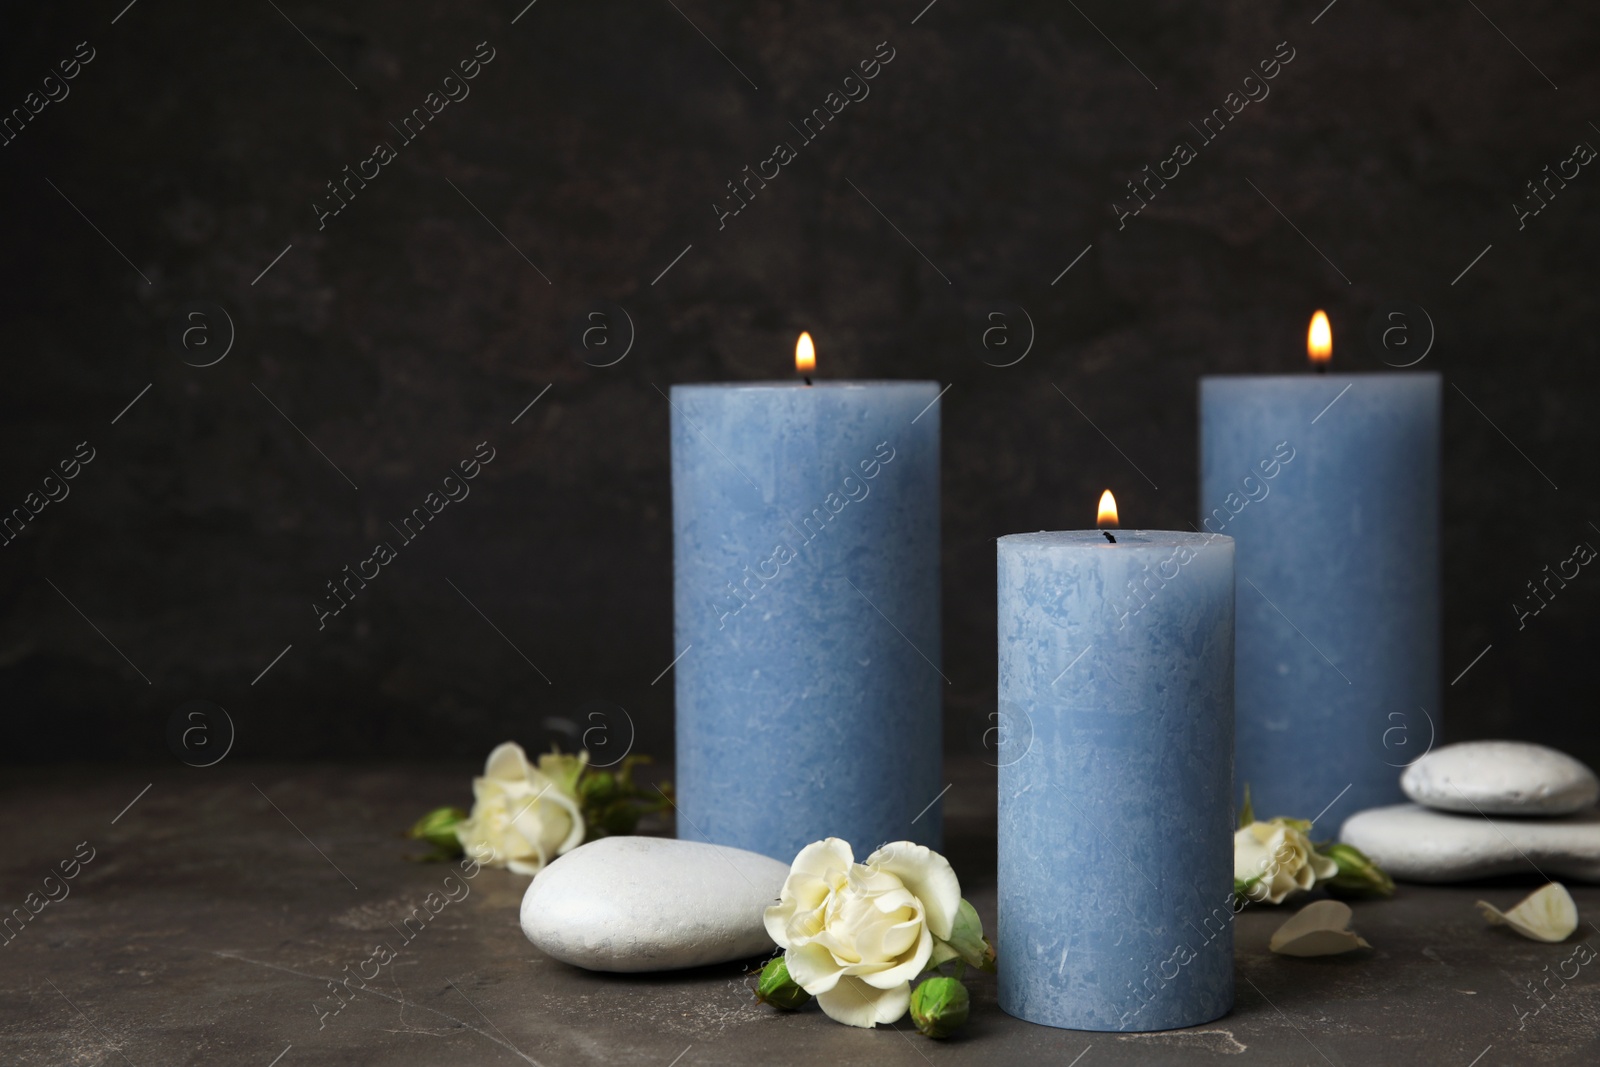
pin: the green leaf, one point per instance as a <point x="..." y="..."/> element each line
<point x="1247" y="813"/>
<point x="438" y="828"/>
<point x="966" y="942"/>
<point x="612" y="803"/>
<point x="597" y="789"/>
<point x="942" y="954"/>
<point x="625" y="772"/>
<point x="619" y="819"/>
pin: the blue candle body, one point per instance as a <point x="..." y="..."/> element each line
<point x="1116" y="746"/>
<point x="1332" y="494"/>
<point x="806" y="590"/>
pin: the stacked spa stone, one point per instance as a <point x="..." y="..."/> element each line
<point x="1487" y="808"/>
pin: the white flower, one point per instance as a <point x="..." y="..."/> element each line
<point x="1276" y="858"/>
<point x="855" y="934"/>
<point x="523" y="816"/>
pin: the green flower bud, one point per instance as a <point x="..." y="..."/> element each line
<point x="939" y="1006"/>
<point x="1358" y="875"/>
<point x="778" y="989"/>
<point x="438" y="828"/>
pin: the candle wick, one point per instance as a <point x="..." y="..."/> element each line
<point x="808" y="379"/>
<point x="1322" y="366"/>
<point x="1113" y="540"/>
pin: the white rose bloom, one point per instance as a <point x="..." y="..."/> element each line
<point x="1280" y="857"/>
<point x="522" y="816"/>
<point x="856" y="934"/>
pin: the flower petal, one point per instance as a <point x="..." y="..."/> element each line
<point x="820" y="857"/>
<point x="563" y="769"/>
<point x="806" y="891"/>
<point x="575" y="835"/>
<point x="902" y="938"/>
<point x="892" y="937"/>
<point x="507" y="762"/>
<point x="1323" y="867"/>
<point x="911" y="965"/>
<point x="855" y="1003"/>
<point x="928" y="875"/>
<point x="813" y="968"/>
<point x="489" y="788"/>
<point x="776" y="920"/>
<point x="1320" y="928"/>
<point x="899" y="898"/>
<point x="545" y="824"/>
<point x="1547" y="914"/>
<point x="804" y="927"/>
<point x="1251" y="857"/>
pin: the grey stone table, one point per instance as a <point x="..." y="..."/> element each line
<point x="220" y="905"/>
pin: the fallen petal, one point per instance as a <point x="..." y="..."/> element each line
<point x="1547" y="914"/>
<point x="1321" y="928"/>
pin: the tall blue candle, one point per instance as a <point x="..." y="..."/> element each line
<point x="1330" y="485"/>
<point x="806" y="597"/>
<point x="1116" y="744"/>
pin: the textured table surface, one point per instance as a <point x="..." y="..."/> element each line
<point x="208" y="925"/>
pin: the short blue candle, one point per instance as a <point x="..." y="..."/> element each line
<point x="1330" y="485"/>
<point x="806" y="596"/>
<point x="1116" y="745"/>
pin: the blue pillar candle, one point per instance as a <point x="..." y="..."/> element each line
<point x="1116" y="745"/>
<point x="806" y="603"/>
<point x="1329" y="483"/>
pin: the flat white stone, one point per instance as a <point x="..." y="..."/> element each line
<point x="1501" y="778"/>
<point x="1417" y="844"/>
<point x="652" y="904"/>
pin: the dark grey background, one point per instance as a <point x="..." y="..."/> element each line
<point x="597" y="140"/>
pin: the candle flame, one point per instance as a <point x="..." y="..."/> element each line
<point x="1319" y="339"/>
<point x="1107" y="518"/>
<point x="805" y="355"/>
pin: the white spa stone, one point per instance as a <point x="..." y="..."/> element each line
<point x="652" y="904"/>
<point x="1501" y="778"/>
<point x="1417" y="844"/>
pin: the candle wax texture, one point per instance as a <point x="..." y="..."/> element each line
<point x="1332" y="494"/>
<point x="806" y="592"/>
<point x="1115" y="754"/>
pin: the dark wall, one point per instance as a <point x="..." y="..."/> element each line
<point x="390" y="340"/>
